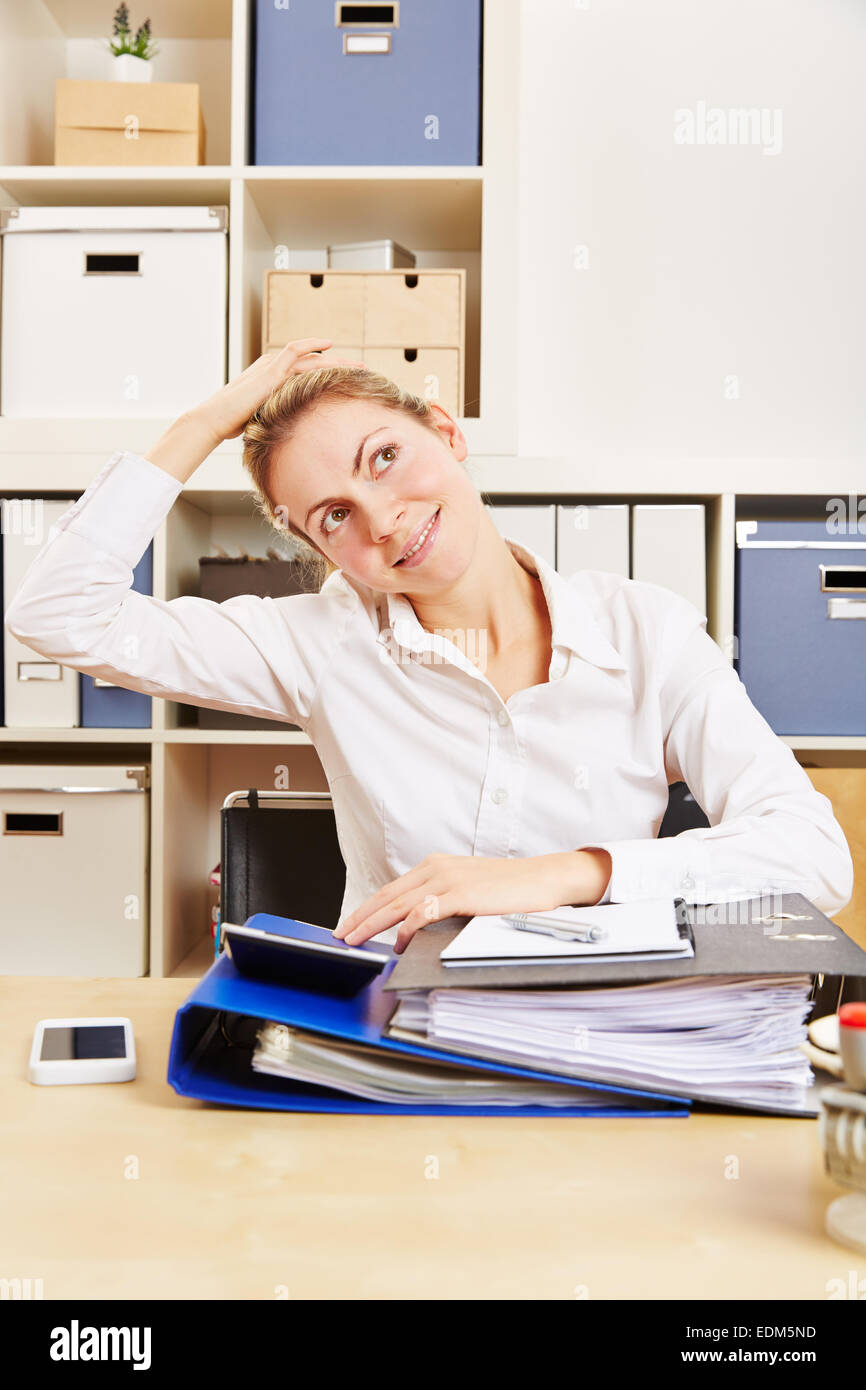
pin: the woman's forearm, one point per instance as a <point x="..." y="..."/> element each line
<point x="184" y="445"/>
<point x="224" y="415"/>
<point x="583" y="876"/>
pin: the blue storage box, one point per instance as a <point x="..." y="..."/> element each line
<point x="336" y="83"/>
<point x="801" y="625"/>
<point x="105" y="706"/>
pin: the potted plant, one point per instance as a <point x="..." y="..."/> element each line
<point x="131" y="62"/>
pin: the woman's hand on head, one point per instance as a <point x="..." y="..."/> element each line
<point x="227" y="411"/>
<point x="455" y="885"/>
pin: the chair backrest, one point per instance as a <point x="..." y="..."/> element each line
<point x="293" y="866"/>
<point x="282" y="857"/>
<point x="683" y="812"/>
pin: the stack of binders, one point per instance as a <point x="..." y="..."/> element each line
<point x="720" y="1028"/>
<point x="216" y="1033"/>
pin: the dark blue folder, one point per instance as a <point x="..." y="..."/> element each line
<point x="205" y="1065"/>
<point x="113" y="706"/>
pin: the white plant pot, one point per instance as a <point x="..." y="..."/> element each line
<point x="125" y="67"/>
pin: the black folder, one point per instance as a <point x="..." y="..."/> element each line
<point x="730" y="939"/>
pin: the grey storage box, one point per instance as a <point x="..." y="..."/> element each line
<point x="370" y="255"/>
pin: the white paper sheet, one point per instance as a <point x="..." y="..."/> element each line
<point x="728" y="1037"/>
<point x="644" y="930"/>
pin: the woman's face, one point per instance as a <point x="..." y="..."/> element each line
<point x="365" y="518"/>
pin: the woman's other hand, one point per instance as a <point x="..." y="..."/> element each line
<point x="454" y="885"/>
<point x="226" y="412"/>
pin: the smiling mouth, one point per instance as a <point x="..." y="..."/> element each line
<point x="420" y="541"/>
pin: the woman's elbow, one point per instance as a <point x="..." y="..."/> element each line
<point x="23" y="627"/>
<point x="835" y="874"/>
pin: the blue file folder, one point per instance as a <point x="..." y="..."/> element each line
<point x="204" y="1066"/>
<point x="115" y="707"/>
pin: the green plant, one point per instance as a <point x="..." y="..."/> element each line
<point x="141" y="46"/>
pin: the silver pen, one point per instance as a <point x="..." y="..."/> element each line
<point x="548" y="926"/>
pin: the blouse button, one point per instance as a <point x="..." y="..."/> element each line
<point x="500" y="795"/>
<point x="502" y="716"/>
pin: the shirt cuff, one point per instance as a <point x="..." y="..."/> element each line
<point x="678" y="866"/>
<point x="123" y="507"/>
<point x="668" y="868"/>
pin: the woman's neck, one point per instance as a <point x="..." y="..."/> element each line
<point x="495" y="596"/>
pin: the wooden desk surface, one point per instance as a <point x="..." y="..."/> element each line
<point x="255" y="1205"/>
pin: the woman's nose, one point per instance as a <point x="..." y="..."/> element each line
<point x="385" y="519"/>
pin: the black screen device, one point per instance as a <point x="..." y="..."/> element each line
<point x="304" y="956"/>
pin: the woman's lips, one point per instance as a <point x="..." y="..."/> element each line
<point x="411" y="560"/>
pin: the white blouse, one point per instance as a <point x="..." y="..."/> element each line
<point x="420" y="751"/>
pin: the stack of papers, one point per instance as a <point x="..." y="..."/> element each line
<point x="383" y="1076"/>
<point x="645" y="930"/>
<point x="720" y="1038"/>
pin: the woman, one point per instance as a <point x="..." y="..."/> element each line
<point x="496" y="738"/>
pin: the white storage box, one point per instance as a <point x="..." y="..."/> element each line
<point x="74" y="865"/>
<point x="116" y="312"/>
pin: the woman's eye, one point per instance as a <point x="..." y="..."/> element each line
<point x="385" y="449"/>
<point x="325" y="527"/>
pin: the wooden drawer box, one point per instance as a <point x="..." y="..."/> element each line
<point x="408" y="325"/>
<point x="432" y="373"/>
<point x="312" y="304"/>
<point x="423" y="308"/>
<point x="379" y="308"/>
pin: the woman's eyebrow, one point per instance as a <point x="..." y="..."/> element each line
<point x="359" y="452"/>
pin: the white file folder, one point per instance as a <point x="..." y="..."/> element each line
<point x="40" y="693"/>
<point x="533" y="526"/>
<point x="668" y="547"/>
<point x="593" y="538"/>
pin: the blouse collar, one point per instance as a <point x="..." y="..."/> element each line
<point x="572" y="623"/>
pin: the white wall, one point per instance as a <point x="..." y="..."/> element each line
<point x="705" y="261"/>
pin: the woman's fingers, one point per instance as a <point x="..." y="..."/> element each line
<point x="300" y="346"/>
<point x="242" y="396"/>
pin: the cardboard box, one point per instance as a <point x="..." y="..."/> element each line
<point x="128" y="123"/>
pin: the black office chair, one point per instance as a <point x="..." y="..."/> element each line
<point x="683" y="812"/>
<point x="287" y="865"/>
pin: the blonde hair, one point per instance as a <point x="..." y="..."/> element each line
<point x="273" y="422"/>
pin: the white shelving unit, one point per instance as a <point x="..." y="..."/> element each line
<point x="468" y="216"/>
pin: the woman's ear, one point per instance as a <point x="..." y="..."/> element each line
<point x="449" y="431"/>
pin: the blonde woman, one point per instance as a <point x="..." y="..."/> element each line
<point x="497" y="738"/>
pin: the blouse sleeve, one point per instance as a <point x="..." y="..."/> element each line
<point x="75" y="605"/>
<point x="770" y="829"/>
